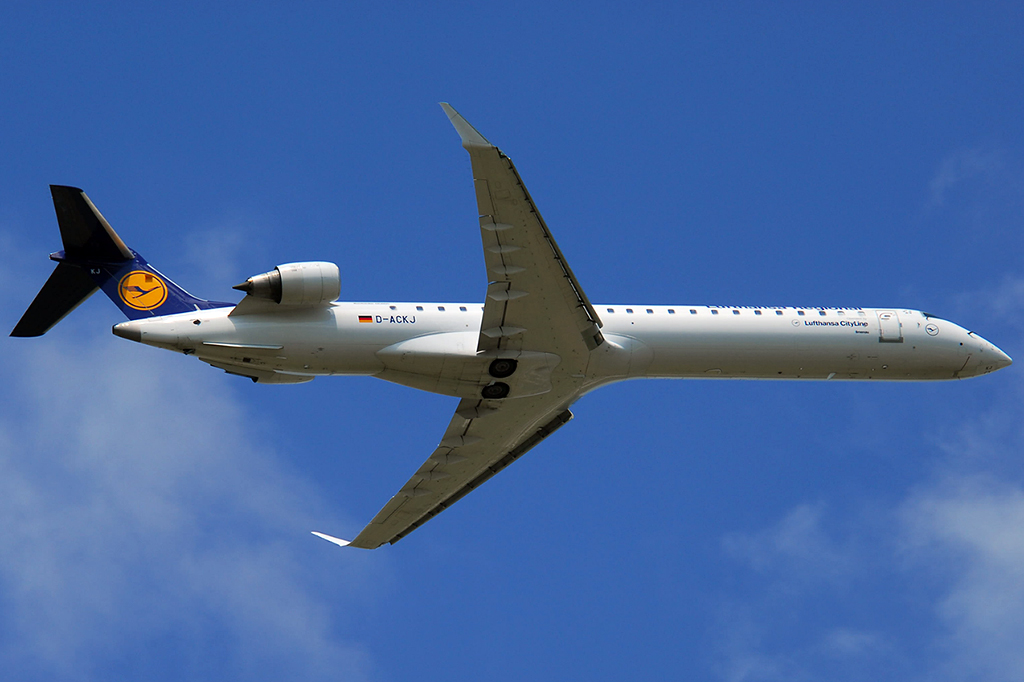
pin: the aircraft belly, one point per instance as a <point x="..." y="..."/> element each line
<point x="449" y="363"/>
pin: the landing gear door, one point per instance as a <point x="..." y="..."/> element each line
<point x="889" y="328"/>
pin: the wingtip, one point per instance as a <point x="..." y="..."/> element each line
<point x="471" y="137"/>
<point x="330" y="538"/>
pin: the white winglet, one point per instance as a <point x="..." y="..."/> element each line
<point x="338" y="541"/>
<point x="471" y="137"/>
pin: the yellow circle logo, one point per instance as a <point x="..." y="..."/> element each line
<point x="142" y="290"/>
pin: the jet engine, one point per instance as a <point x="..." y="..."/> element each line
<point x="298" y="284"/>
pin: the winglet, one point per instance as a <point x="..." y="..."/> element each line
<point x="338" y="541"/>
<point x="471" y="137"/>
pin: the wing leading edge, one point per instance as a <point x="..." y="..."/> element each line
<point x="535" y="312"/>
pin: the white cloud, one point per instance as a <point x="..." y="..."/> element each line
<point x="962" y="166"/>
<point x="796" y="547"/>
<point x="948" y="557"/>
<point x="970" y="531"/>
<point x="845" y="642"/>
<point x="744" y="658"/>
<point x="144" y="526"/>
<point x="217" y="253"/>
<point x="1003" y="302"/>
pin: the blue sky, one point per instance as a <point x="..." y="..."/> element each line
<point x="155" y="513"/>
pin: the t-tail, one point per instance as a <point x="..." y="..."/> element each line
<point x="94" y="257"/>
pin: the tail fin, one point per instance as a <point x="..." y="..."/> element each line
<point x="94" y="257"/>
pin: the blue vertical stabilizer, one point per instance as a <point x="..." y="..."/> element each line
<point x="94" y="257"/>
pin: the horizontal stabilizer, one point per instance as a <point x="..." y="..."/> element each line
<point x="67" y="287"/>
<point x="86" y="233"/>
<point x="330" y="538"/>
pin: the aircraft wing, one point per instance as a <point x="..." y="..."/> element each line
<point x="534" y="301"/>
<point x="483" y="438"/>
<point x="535" y="306"/>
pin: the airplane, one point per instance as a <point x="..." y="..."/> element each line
<point x="517" y="362"/>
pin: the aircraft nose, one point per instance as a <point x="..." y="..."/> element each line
<point x="987" y="357"/>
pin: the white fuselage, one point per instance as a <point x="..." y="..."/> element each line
<point x="433" y="346"/>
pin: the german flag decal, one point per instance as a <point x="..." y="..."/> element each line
<point x="366" y="318"/>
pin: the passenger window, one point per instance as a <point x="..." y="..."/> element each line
<point x="441" y="308"/>
<point x="757" y="312"/>
<point x="419" y="307"/>
<point x="649" y="311"/>
<point x="735" y="312"/>
<point x="799" y="312"/>
<point x="629" y="310"/>
<point x="671" y="311"/>
<point x="462" y="308"/>
<point x="822" y="313"/>
<point x="611" y="310"/>
<point x="714" y="312"/>
<point x="692" y="311"/>
<point x="778" y="312"/>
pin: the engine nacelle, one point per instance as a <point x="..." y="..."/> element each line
<point x="312" y="283"/>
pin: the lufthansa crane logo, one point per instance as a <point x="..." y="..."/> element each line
<point x="142" y="290"/>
